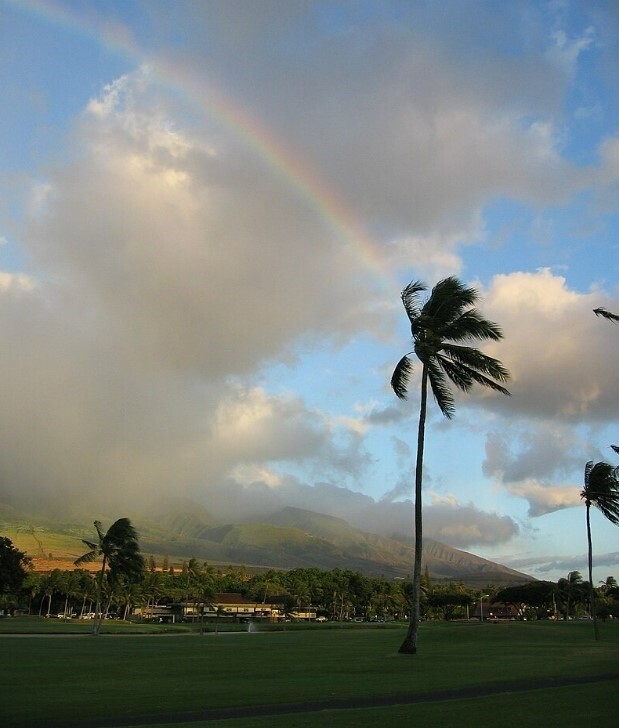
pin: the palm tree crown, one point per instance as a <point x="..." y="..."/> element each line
<point x="119" y="548"/>
<point x="439" y="329"/>
<point x="602" y="489"/>
<point x="121" y="553"/>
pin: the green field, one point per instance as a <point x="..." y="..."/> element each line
<point x="514" y="674"/>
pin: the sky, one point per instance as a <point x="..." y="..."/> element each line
<point x="209" y="209"/>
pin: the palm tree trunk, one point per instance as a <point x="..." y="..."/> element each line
<point x="98" y="609"/>
<point x="596" y="630"/>
<point x="409" y="646"/>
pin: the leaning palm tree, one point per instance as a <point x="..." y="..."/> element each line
<point x="440" y="329"/>
<point x="121" y="554"/>
<point x="601" y="490"/>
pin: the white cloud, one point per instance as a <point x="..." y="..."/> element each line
<point x="16" y="282"/>
<point x="250" y="474"/>
<point x="191" y="262"/>
<point x="562" y="565"/>
<point x="544" y="498"/>
<point x="563" y="386"/>
<point x="535" y="450"/>
<point x="609" y="157"/>
<point x="250" y="426"/>
<point x="561" y="359"/>
<point x="565" y="51"/>
<point x="463" y="525"/>
<point x="457" y="524"/>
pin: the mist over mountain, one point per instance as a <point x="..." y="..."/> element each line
<point x="285" y="539"/>
<point x="460" y="525"/>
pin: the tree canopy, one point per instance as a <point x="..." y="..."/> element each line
<point x="14" y="565"/>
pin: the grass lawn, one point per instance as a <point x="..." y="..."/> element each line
<point x="557" y="708"/>
<point x="49" y="679"/>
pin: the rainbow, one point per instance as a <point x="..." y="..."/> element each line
<point x="284" y="161"/>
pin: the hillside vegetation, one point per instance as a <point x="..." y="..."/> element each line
<point x="287" y="539"/>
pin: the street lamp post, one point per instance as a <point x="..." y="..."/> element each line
<point x="481" y="607"/>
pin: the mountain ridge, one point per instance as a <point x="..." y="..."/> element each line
<point x="286" y="539"/>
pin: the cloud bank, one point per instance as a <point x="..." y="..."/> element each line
<point x="174" y="262"/>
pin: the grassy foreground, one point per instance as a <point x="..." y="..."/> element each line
<point x="160" y="680"/>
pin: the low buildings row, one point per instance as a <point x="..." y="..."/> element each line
<point x="229" y="607"/>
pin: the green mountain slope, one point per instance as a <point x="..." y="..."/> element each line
<point x="290" y="538"/>
<point x="394" y="557"/>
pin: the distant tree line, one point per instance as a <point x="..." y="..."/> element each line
<point x="337" y="594"/>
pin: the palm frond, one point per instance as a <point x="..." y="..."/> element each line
<point x="471" y="325"/>
<point x="464" y="377"/>
<point x="474" y="359"/>
<point x="606" y="314"/>
<point x="91" y="545"/>
<point x="456" y="373"/>
<point x="100" y="531"/>
<point x="400" y="377"/>
<point x="609" y="510"/>
<point x="410" y="299"/>
<point x="588" y="469"/>
<point x="122" y="547"/>
<point x="602" y="489"/>
<point x="440" y="389"/>
<point x="128" y="563"/>
<point x="609" y="507"/>
<point x="120" y="532"/>
<point x="88" y="557"/>
<point x="448" y="301"/>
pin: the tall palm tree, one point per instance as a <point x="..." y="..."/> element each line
<point x="121" y="554"/>
<point x="602" y="491"/>
<point x="440" y="329"/>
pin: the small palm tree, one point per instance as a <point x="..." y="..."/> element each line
<point x="608" y="585"/>
<point x="571" y="591"/>
<point x="440" y="329"/>
<point x="121" y="553"/>
<point x="602" y="491"/>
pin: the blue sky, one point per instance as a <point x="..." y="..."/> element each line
<point x="209" y="210"/>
